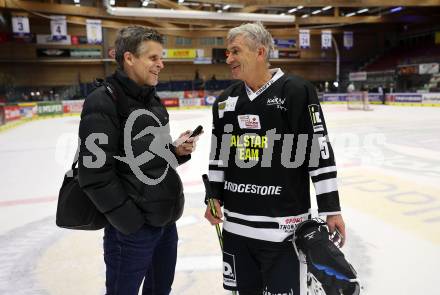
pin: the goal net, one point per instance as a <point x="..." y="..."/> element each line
<point x="358" y="100"/>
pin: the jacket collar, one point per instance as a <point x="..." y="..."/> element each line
<point x="131" y="88"/>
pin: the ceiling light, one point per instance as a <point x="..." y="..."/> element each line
<point x="180" y="1"/>
<point x="300" y="7"/>
<point x="396" y="9"/>
<point x="316" y="11"/>
<point x="226" y="7"/>
<point x="145" y="3"/>
<point x="305" y="15"/>
<point x="197" y="14"/>
<point x="76" y="1"/>
<point x="327" y="8"/>
<point x="362" y="11"/>
<point x="112" y="2"/>
<point x="350" y="14"/>
<point x="292" y="10"/>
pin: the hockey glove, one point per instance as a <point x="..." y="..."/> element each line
<point x="324" y="260"/>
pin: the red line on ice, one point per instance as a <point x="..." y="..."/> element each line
<point x="10" y="203"/>
<point x="27" y="201"/>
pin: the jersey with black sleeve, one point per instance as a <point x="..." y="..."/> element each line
<point x="265" y="147"/>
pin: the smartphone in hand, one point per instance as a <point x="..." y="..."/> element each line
<point x="196" y="132"/>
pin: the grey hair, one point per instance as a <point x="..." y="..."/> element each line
<point x="130" y="39"/>
<point x="256" y="34"/>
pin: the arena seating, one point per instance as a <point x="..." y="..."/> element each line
<point x="418" y="53"/>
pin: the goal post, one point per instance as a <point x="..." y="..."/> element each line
<point x="358" y="100"/>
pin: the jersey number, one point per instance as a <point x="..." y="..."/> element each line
<point x="324" y="148"/>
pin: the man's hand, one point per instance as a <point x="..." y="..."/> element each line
<point x="212" y="219"/>
<point x="336" y="222"/>
<point x="184" y="144"/>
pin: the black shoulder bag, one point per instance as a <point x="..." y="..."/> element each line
<point x="75" y="210"/>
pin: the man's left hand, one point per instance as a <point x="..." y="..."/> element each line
<point x="186" y="145"/>
<point x="337" y="222"/>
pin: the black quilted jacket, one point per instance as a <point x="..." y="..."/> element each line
<point x="129" y="200"/>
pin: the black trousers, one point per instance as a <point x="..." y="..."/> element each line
<point x="252" y="266"/>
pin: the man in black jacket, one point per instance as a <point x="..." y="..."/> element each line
<point x="127" y="167"/>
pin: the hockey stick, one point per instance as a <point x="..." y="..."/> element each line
<point x="211" y="205"/>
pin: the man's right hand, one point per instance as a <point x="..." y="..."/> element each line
<point x="213" y="219"/>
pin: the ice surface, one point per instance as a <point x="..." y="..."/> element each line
<point x="388" y="167"/>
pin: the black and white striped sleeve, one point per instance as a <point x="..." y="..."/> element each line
<point x="322" y="166"/>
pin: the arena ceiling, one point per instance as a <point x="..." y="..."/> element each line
<point x="214" y="18"/>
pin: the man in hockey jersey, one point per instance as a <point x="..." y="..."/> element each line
<point x="269" y="139"/>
